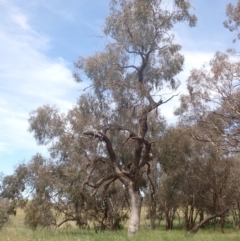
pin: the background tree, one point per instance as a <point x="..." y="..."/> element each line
<point x="194" y="178"/>
<point x="233" y="21"/>
<point x="213" y="102"/>
<point x="56" y="189"/>
<point x="213" y="95"/>
<point x="212" y="107"/>
<point x="4" y="206"/>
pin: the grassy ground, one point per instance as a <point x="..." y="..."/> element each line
<point x="16" y="231"/>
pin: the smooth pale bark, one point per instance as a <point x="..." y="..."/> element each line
<point x="135" y="211"/>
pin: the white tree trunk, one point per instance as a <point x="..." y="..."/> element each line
<point x="135" y="211"/>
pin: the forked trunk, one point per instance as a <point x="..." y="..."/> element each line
<point x="135" y="211"/>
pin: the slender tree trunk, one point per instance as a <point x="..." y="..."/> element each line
<point x="222" y="224"/>
<point x="191" y="218"/>
<point x="201" y="215"/>
<point x="135" y="211"/>
<point x="187" y="227"/>
<point x="152" y="217"/>
<point x="169" y="218"/>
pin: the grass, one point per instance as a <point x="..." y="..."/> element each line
<point x="16" y="231"/>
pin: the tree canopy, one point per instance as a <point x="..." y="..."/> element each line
<point x="114" y="146"/>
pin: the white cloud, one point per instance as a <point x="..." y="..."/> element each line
<point x="21" y="21"/>
<point x="58" y="11"/>
<point x="28" y="79"/>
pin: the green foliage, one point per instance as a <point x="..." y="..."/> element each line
<point x="233" y="20"/>
<point x="3" y="215"/>
<point x="38" y="213"/>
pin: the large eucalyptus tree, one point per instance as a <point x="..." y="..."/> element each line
<point x="130" y="79"/>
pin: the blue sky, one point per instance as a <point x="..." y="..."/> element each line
<point x="40" y="40"/>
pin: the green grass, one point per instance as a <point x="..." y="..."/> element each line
<point x="16" y="231"/>
<point x="12" y="234"/>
